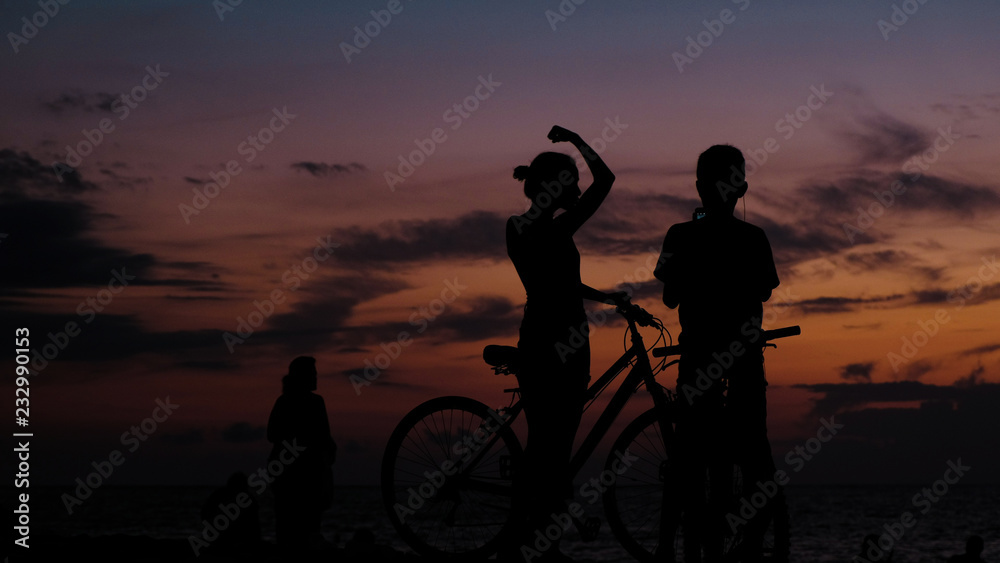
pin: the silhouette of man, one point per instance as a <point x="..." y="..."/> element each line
<point x="973" y="551"/>
<point x="717" y="271"/>
<point x="300" y="431"/>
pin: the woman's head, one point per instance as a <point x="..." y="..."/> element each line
<point x="552" y="178"/>
<point x="301" y="375"/>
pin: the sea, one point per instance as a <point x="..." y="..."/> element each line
<point x="828" y="523"/>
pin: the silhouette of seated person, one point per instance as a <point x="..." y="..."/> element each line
<point x="300" y="431"/>
<point x="717" y="271"/>
<point x="239" y="534"/>
<point x="973" y="551"/>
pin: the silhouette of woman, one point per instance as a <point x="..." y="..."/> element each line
<point x="300" y="431"/>
<point x="553" y="341"/>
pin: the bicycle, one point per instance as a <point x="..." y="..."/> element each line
<point x="729" y="496"/>
<point x="448" y="466"/>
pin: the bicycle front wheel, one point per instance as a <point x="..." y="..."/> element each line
<point x="446" y="479"/>
<point x="642" y="503"/>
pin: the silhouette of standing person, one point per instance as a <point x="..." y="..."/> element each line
<point x="718" y="270"/>
<point x="300" y="431"/>
<point x="973" y="551"/>
<point x="554" y="347"/>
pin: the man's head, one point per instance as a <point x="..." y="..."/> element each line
<point x="721" y="177"/>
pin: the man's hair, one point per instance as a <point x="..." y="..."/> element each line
<point x="725" y="164"/>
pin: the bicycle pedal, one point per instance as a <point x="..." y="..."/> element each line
<point x="591" y="529"/>
<point x="506" y="467"/>
<point x="664" y="472"/>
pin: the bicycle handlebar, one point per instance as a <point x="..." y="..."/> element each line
<point x="636" y="313"/>
<point x="768" y="336"/>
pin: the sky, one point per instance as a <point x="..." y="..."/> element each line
<point x="339" y="175"/>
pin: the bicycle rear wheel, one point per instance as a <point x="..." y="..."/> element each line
<point x="446" y="479"/>
<point x="642" y="503"/>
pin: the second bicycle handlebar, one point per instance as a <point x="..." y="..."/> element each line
<point x="768" y="335"/>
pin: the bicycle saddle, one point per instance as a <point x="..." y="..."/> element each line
<point x="497" y="355"/>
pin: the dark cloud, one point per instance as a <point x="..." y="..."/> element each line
<point x="109" y="337"/>
<point x="23" y="176"/>
<point x="974" y="294"/>
<point x="243" y="433"/>
<point x="193" y="436"/>
<point x="478" y="234"/>
<point x="969" y="108"/>
<point x="323" y="314"/>
<point x="77" y="100"/>
<point x="869" y="326"/>
<point x="978" y="350"/>
<point x="477" y="318"/>
<point x="858" y="372"/>
<point x="820" y="305"/>
<point x="892" y="260"/>
<point x="918" y="369"/>
<point x="878" y="445"/>
<point x="322" y="169"/>
<point x="840" y="397"/>
<point x="52" y="236"/>
<point x="208" y="365"/>
<point x="49" y="245"/>
<point x="973" y="380"/>
<point x="122" y="181"/>
<point x="883" y="139"/>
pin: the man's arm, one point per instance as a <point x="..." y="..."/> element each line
<point x="666" y="271"/>
<point x="769" y="274"/>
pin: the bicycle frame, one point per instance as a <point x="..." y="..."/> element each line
<point x="641" y="373"/>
